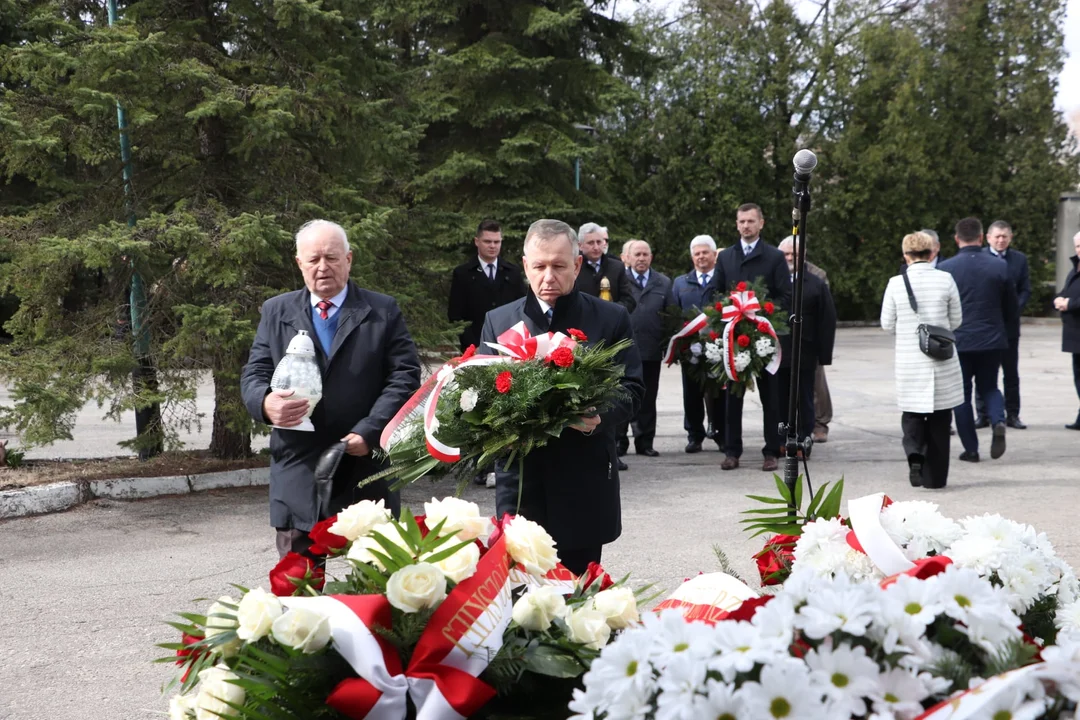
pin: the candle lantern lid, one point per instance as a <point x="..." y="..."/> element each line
<point x="301" y="344"/>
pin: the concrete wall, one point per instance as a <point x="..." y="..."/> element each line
<point x="1068" y="224"/>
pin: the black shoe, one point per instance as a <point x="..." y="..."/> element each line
<point x="915" y="474"/>
<point x="623" y="466"/>
<point x="952" y="431"/>
<point x="969" y="456"/>
<point x="1014" y="422"/>
<point x="981" y="423"/>
<point x="622" y="447"/>
<point x="997" y="445"/>
<point x="694" y="446"/>
<point x="1074" y="426"/>
<point x="647" y="452"/>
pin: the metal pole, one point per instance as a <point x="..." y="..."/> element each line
<point x="577" y="173"/>
<point x="144" y="377"/>
<point x="791" y="427"/>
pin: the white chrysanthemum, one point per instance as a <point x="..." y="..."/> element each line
<point x="714" y="352"/>
<point x="982" y="609"/>
<point x="784" y="690"/>
<point x="468" y="400"/>
<point x="740" y="646"/>
<point x="847" y="675"/>
<point x="742" y="361"/>
<point x="846" y="607"/>
<point x="822" y="534"/>
<point x="1068" y="618"/>
<point x="696" y="349"/>
<point x="919" y="529"/>
<point x="899" y="693"/>
<point x="720" y="701"/>
<point x="1068" y="589"/>
<point x="678" y="683"/>
<point x="671" y="635"/>
<point x="623" y="666"/>
<point x="764" y="347"/>
<point x="775" y="620"/>
<point x="907" y="607"/>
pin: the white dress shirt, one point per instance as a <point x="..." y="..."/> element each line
<point x="748" y="248"/>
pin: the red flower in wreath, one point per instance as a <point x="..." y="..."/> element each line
<point x="503" y="381"/>
<point x="713" y="335"/>
<point x="743" y="340"/>
<point x="577" y="334"/>
<point x="324" y="541"/>
<point x="719" y="307"/>
<point x="469" y="352"/>
<point x="562" y="356"/>
<point x="769" y="308"/>
<point x="763" y="326"/>
<point x="293" y="572"/>
<point x="741" y="287"/>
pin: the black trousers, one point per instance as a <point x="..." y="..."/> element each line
<point x="926" y="441"/>
<point x="1010" y="374"/>
<point x="768" y="388"/>
<point x="644" y="423"/>
<point x="1076" y="378"/>
<point x="696" y="407"/>
<point x="807" y="373"/>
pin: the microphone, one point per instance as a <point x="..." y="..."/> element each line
<point x="805" y="162"/>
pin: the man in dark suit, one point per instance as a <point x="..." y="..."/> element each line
<point x="934" y="258"/>
<point x="989" y="303"/>
<point x="692" y="292"/>
<point x="749" y="260"/>
<point x="651" y="290"/>
<point x="570" y="486"/>
<point x="369" y="369"/>
<point x="819" y="335"/>
<point x="483" y="283"/>
<point x="598" y="266"/>
<point x="998" y="240"/>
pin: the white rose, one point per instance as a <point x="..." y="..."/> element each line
<point x="468" y="400"/>
<point x="215" y="691"/>
<point x="361" y="549"/>
<point x="530" y="546"/>
<point x="695" y="349"/>
<point x="216" y="624"/>
<point x="358" y="520"/>
<point x="302" y="629"/>
<point x="181" y="707"/>
<point x="536" y="609"/>
<point x="257" y="612"/>
<point x="618" y="606"/>
<point x="459" y="517"/>
<point x="416" y="587"/>
<point x="461" y="565"/>
<point x="589" y="627"/>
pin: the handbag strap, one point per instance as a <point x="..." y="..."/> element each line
<point x="911" y="295"/>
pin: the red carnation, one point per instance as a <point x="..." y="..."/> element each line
<point x="469" y="352"/>
<point x="562" y="356"/>
<point x="189" y="654"/>
<point x="776" y="558"/>
<point x="503" y="381"/>
<point x="294" y="572"/>
<point x="325" y="542"/>
<point x="577" y="334"/>
<point x="769" y="307"/>
<point x="595" y="572"/>
<point x="719" y="307"/>
<point x="763" y="326"/>
<point x="741" y="287"/>
<point x="743" y="340"/>
<point x="713" y="335"/>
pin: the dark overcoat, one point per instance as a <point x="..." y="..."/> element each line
<point x="689" y="294"/>
<point x="369" y="373"/>
<point x="819" y="324"/>
<point x="647" y="319"/>
<point x="571" y="485"/>
<point x="1020" y="275"/>
<point x="987" y="298"/>
<point x="765" y="262"/>
<point x="472" y="295"/>
<point x="1070" y="319"/>
<point x="588" y="280"/>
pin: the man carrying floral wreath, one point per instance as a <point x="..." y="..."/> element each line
<point x="571" y="485"/>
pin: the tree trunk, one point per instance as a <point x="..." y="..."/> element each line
<point x="226" y="441"/>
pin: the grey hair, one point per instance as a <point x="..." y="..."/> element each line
<point x="790" y="240"/>
<point x="933" y="236"/>
<point x="589" y="228"/>
<point x="702" y="240"/>
<point x="314" y="225"/>
<point x="545" y="230"/>
<point x="637" y="240"/>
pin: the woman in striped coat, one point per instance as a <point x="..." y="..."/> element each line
<point x="927" y="389"/>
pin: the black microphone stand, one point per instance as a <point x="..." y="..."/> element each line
<point x="791" y="427"/>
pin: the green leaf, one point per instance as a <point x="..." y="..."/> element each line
<point x="816" y="500"/>
<point x="769" y="500"/>
<point x="550" y="661"/>
<point x="830" y="506"/>
<point x="798" y="492"/>
<point x="783" y="489"/>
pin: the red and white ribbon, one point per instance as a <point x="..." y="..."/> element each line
<point x="709" y="597"/>
<point x="560" y="577"/>
<point x="973" y="703"/>
<point x="744" y="306"/>
<point x="864" y="515"/>
<point x="694" y="326"/>
<point x="518" y="343"/>
<point x="461" y="636"/>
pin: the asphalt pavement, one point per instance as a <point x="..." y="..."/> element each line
<point x="83" y="594"/>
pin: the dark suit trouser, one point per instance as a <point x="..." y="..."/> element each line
<point x="982" y="367"/>
<point x="807" y="372"/>
<point x="926" y="441"/>
<point x="696" y="407"/>
<point x="1010" y="373"/>
<point x="1076" y="378"/>
<point x="768" y="388"/>
<point x="645" y="421"/>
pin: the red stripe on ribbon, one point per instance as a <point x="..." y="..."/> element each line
<point x="692" y="327"/>
<point x="355" y="697"/>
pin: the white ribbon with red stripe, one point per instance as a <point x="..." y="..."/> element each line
<point x="694" y="326"/>
<point x="864" y="515"/>
<point x="519" y="344"/>
<point x="973" y="703"/>
<point x="744" y="306"/>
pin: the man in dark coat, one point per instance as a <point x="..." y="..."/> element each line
<point x="691" y="293"/>
<point x="598" y="266"/>
<point x="369" y="369"/>
<point x="1067" y="303"/>
<point x="483" y="283"/>
<point x="818" y="338"/>
<point x="989" y="304"/>
<point x="751" y="260"/>
<point x="570" y="486"/>
<point x="998" y="240"/>
<point x="651" y="290"/>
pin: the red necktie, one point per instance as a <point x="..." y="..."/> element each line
<point x="324" y="308"/>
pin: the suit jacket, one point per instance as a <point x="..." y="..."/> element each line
<point x="588" y="280"/>
<point x="371" y="370"/>
<point x="819" y="323"/>
<point x="689" y="294"/>
<point x="576" y="476"/>
<point x="646" y="318"/>
<point x="1070" y="319"/>
<point x="472" y="294"/>
<point x="1020" y="276"/>
<point x="988" y="299"/>
<point x="765" y="262"/>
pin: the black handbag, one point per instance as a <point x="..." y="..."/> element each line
<point x="935" y="341"/>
